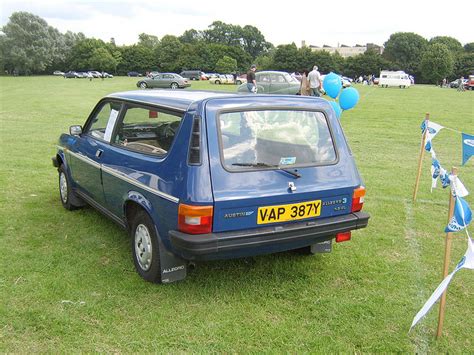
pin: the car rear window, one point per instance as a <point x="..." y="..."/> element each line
<point x="275" y="138"/>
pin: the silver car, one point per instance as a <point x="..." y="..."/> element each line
<point x="164" y="80"/>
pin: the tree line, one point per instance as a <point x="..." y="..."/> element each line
<point x="28" y="45"/>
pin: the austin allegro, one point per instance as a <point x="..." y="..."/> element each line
<point x="195" y="175"/>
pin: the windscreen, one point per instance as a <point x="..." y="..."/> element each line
<point x="275" y="138"/>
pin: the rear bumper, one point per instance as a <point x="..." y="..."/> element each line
<point x="263" y="240"/>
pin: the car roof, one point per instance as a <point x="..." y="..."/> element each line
<point x="175" y="99"/>
<point x="271" y="72"/>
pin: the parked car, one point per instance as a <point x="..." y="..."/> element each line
<point x="96" y="74"/>
<point x="274" y="82"/>
<point x="133" y="73"/>
<point x="58" y="73"/>
<point x="164" y="80"/>
<point x="221" y="79"/>
<point x="455" y="83"/>
<point x="71" y="74"/>
<point x="192" y="74"/>
<point x="195" y="175"/>
<point x="107" y="75"/>
<point x="470" y="82"/>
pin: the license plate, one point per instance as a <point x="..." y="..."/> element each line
<point x="292" y="212"/>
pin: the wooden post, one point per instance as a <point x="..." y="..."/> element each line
<point x="422" y="154"/>
<point x="447" y="259"/>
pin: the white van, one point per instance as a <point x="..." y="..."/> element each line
<point x="394" y="78"/>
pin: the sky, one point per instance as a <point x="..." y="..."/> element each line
<point x="318" y="23"/>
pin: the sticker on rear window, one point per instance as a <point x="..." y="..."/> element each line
<point x="288" y="161"/>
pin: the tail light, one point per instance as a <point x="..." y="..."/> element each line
<point x="195" y="219"/>
<point x="358" y="199"/>
<point x="343" y="237"/>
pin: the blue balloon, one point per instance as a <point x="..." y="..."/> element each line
<point x="337" y="108"/>
<point x="332" y="84"/>
<point x="349" y="98"/>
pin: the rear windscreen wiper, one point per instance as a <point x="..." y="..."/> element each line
<point x="266" y="165"/>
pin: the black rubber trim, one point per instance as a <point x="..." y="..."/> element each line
<point x="202" y="246"/>
<point x="55" y="162"/>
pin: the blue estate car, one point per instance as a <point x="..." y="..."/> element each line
<point x="198" y="175"/>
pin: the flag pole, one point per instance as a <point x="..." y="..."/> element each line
<point x="422" y="154"/>
<point x="447" y="257"/>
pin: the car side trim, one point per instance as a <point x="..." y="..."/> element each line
<point x="123" y="177"/>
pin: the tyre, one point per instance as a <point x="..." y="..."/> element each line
<point x="143" y="85"/>
<point x="69" y="199"/>
<point x="238" y="82"/>
<point x="218" y="82"/>
<point x="174" y="85"/>
<point x="145" y="248"/>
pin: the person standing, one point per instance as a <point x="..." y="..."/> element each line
<point x="315" y="82"/>
<point x="305" y="87"/>
<point x="251" y="81"/>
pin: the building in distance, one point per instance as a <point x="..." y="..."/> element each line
<point x="346" y="51"/>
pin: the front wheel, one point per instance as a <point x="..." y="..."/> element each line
<point x="69" y="199"/>
<point x="143" y="85"/>
<point x="145" y="248"/>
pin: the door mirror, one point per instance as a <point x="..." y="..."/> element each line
<point x="75" y="130"/>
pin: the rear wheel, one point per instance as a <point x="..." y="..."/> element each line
<point x="69" y="199"/>
<point x="174" y="85"/>
<point x="145" y="248"/>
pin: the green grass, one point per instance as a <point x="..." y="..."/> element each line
<point x="67" y="281"/>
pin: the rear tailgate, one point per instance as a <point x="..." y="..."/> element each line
<point x="247" y="197"/>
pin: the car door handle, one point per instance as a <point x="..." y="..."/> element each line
<point x="98" y="153"/>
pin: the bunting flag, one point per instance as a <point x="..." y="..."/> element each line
<point x="458" y="187"/>
<point x="467" y="147"/>
<point x="467" y="262"/>
<point x="435" y="171"/>
<point x="444" y="177"/>
<point x="461" y="218"/>
<point x="433" y="129"/>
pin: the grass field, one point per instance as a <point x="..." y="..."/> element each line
<point x="67" y="281"/>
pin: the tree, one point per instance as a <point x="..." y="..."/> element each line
<point x="148" y="41"/>
<point x="102" y="60"/>
<point x="436" y="63"/>
<point x="286" y="58"/>
<point x="136" y="58"/>
<point x="81" y="53"/>
<point x="253" y="41"/>
<point x="191" y="36"/>
<point x="29" y="43"/>
<point x="226" y="65"/>
<point x="469" y="47"/>
<point x="223" y="33"/>
<point x="365" y="64"/>
<point x="464" y="65"/>
<point x="170" y="51"/>
<point x="405" y="49"/>
<point x="453" y="45"/>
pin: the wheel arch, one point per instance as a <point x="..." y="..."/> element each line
<point x="134" y="202"/>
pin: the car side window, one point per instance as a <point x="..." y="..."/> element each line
<point x="103" y="121"/>
<point x="147" y="130"/>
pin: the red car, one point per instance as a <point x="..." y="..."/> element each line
<point x="470" y="82"/>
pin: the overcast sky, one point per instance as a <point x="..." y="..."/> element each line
<point x="336" y="22"/>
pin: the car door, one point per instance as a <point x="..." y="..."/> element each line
<point x="141" y="159"/>
<point x="263" y="82"/>
<point x="88" y="150"/>
<point x="279" y="85"/>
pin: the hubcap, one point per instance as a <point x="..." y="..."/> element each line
<point x="63" y="187"/>
<point x="143" y="248"/>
